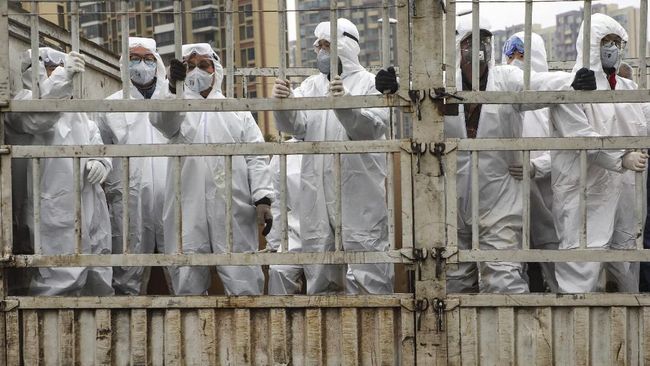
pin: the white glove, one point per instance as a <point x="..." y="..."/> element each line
<point x="97" y="172"/>
<point x="74" y="63"/>
<point x="517" y="171"/>
<point x="336" y="87"/>
<point x="635" y="160"/>
<point x="281" y="89"/>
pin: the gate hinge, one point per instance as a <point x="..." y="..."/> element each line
<point x="440" y="96"/>
<point x="5" y="150"/>
<point x="8" y="304"/>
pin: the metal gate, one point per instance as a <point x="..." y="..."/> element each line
<point x="424" y="325"/>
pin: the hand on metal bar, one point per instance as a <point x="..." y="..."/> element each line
<point x="585" y="79"/>
<point x="177" y="72"/>
<point x="386" y="81"/>
<point x="97" y="172"/>
<point x="635" y="161"/>
<point x="264" y="216"/>
<point x="517" y="171"/>
<point x="336" y="87"/>
<point x="74" y="63"/>
<point x="282" y="89"/>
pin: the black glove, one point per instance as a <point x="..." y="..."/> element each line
<point x="177" y="72"/>
<point x="386" y="81"/>
<point x="264" y="215"/>
<point x="585" y="79"/>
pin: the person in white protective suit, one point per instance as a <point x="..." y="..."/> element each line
<point x="146" y="175"/>
<point x="606" y="227"/>
<point x="57" y="227"/>
<point x="286" y="279"/>
<point x="364" y="211"/>
<point x="203" y="186"/>
<point x="536" y="124"/>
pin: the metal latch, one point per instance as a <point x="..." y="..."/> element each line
<point x="419" y="256"/>
<point x="417" y="98"/>
<point x="418" y="149"/>
<point x="438" y="150"/>
<point x="440" y="96"/>
<point x="421" y="305"/>
<point x="439" y="307"/>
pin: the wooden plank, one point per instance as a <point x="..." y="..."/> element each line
<point x="138" y="337"/>
<point x="646" y="340"/>
<point x="563" y="336"/>
<point x="488" y="335"/>
<point x="85" y="337"/>
<point x="453" y="337"/>
<point x="31" y="347"/>
<point x="243" y="337"/>
<point x="191" y="347"/>
<point x="368" y="337"/>
<point x="66" y="337"/>
<point x="349" y="336"/>
<point x="260" y="343"/>
<point x="332" y="330"/>
<point x="618" y="335"/>
<point x="543" y="336"/>
<point x="407" y="336"/>
<point x="121" y="336"/>
<point x="600" y="329"/>
<point x="50" y="338"/>
<point x="298" y="336"/>
<point x="525" y="336"/>
<point x="173" y="355"/>
<point x="13" y="337"/>
<point x="279" y="339"/>
<point x="507" y="332"/>
<point x="3" y="332"/>
<point x="469" y="336"/>
<point x="581" y="334"/>
<point x="313" y="340"/>
<point x="208" y="335"/>
<point x="225" y="330"/>
<point x="386" y="332"/>
<point x="103" y="339"/>
<point x="634" y="336"/>
<point x="156" y="346"/>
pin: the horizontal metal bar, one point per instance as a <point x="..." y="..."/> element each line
<point x="539" y="300"/>
<point x="205" y="105"/>
<point x="554" y="143"/>
<point x="568" y="65"/>
<point x="212" y="259"/>
<point x="237" y="302"/>
<point x="539" y="255"/>
<point x="291" y="71"/>
<point x="343" y="147"/>
<point x="552" y="97"/>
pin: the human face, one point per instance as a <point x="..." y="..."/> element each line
<point x="139" y="54"/>
<point x="49" y="69"/>
<point x="515" y="56"/>
<point x="485" y="49"/>
<point x="322" y="45"/>
<point x="203" y="62"/>
<point x="615" y="39"/>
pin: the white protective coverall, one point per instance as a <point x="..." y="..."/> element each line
<point x="464" y="276"/>
<point x="57" y="190"/>
<point x="203" y="190"/>
<point x="146" y="180"/>
<point x="606" y="227"/>
<point x="364" y="211"/>
<point x="286" y="279"/>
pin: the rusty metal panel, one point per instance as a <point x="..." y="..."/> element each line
<point x="493" y="333"/>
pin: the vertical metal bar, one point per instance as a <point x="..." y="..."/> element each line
<point x="124" y="20"/>
<point x="525" y="192"/>
<point x="36" y="195"/>
<point x="586" y="39"/>
<point x="125" y="204"/>
<point x="639" y="199"/>
<point x="284" y="238"/>
<point x="34" y="35"/>
<point x="282" y="38"/>
<point x="403" y="56"/>
<point x="643" y="40"/>
<point x="583" y="199"/>
<point x="77" y="82"/>
<point x="228" y="198"/>
<point x="450" y="49"/>
<point x="76" y="177"/>
<point x="178" y="204"/>
<point x="338" y="237"/>
<point x="7" y="215"/>
<point x="475" y="200"/>
<point x="178" y="42"/>
<point x="334" y="49"/>
<point x="390" y="194"/>
<point x="476" y="40"/>
<point x="527" y="43"/>
<point x="230" y="52"/>
<point x="385" y="34"/>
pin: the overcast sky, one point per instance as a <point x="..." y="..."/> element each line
<point x="509" y="12"/>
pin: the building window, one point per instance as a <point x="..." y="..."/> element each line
<point x="164" y="39"/>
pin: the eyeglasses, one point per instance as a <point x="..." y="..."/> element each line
<point x="204" y="65"/>
<point x="614" y="42"/>
<point x="149" y="60"/>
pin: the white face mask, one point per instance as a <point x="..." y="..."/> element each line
<point x="517" y="63"/>
<point x="198" y="80"/>
<point x="141" y="73"/>
<point x="609" y="56"/>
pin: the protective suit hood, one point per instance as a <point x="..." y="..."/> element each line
<point x="601" y="26"/>
<point x="46" y="55"/>
<point x="206" y="50"/>
<point x="464" y="30"/>
<point x="150" y="45"/>
<point x="538" y="62"/>
<point x="348" y="48"/>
